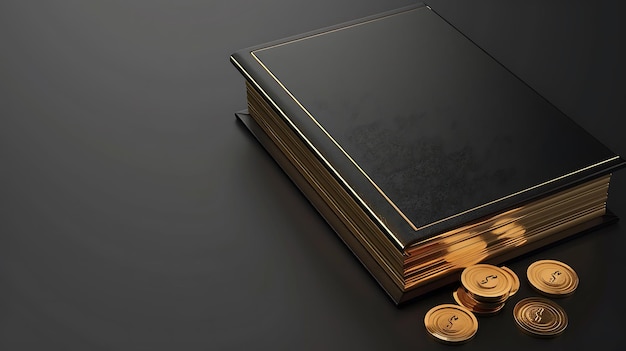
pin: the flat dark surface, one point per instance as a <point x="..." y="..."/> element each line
<point x="138" y="214"/>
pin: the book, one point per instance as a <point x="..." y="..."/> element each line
<point x="423" y="152"/>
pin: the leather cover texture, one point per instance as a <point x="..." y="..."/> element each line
<point x="424" y="126"/>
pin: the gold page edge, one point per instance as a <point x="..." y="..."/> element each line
<point x="319" y="154"/>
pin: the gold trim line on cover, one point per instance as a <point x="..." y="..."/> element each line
<point x="328" y="164"/>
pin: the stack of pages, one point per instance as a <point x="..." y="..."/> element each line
<point x="423" y="152"/>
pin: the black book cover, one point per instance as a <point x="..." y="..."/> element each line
<point x="425" y="129"/>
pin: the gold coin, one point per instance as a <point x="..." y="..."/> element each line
<point x="486" y="283"/>
<point x="515" y="283"/>
<point x="552" y="278"/>
<point x="461" y="297"/>
<point x="539" y="316"/>
<point x="451" y="323"/>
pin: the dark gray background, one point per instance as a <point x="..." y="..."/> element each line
<point x="136" y="213"/>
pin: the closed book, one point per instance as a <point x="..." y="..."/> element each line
<point x="423" y="152"/>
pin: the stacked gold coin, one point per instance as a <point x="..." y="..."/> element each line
<point x="485" y="288"/>
<point x="515" y="283"/>
<point x="451" y="323"/>
<point x="552" y="278"/>
<point x="540" y="317"/>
